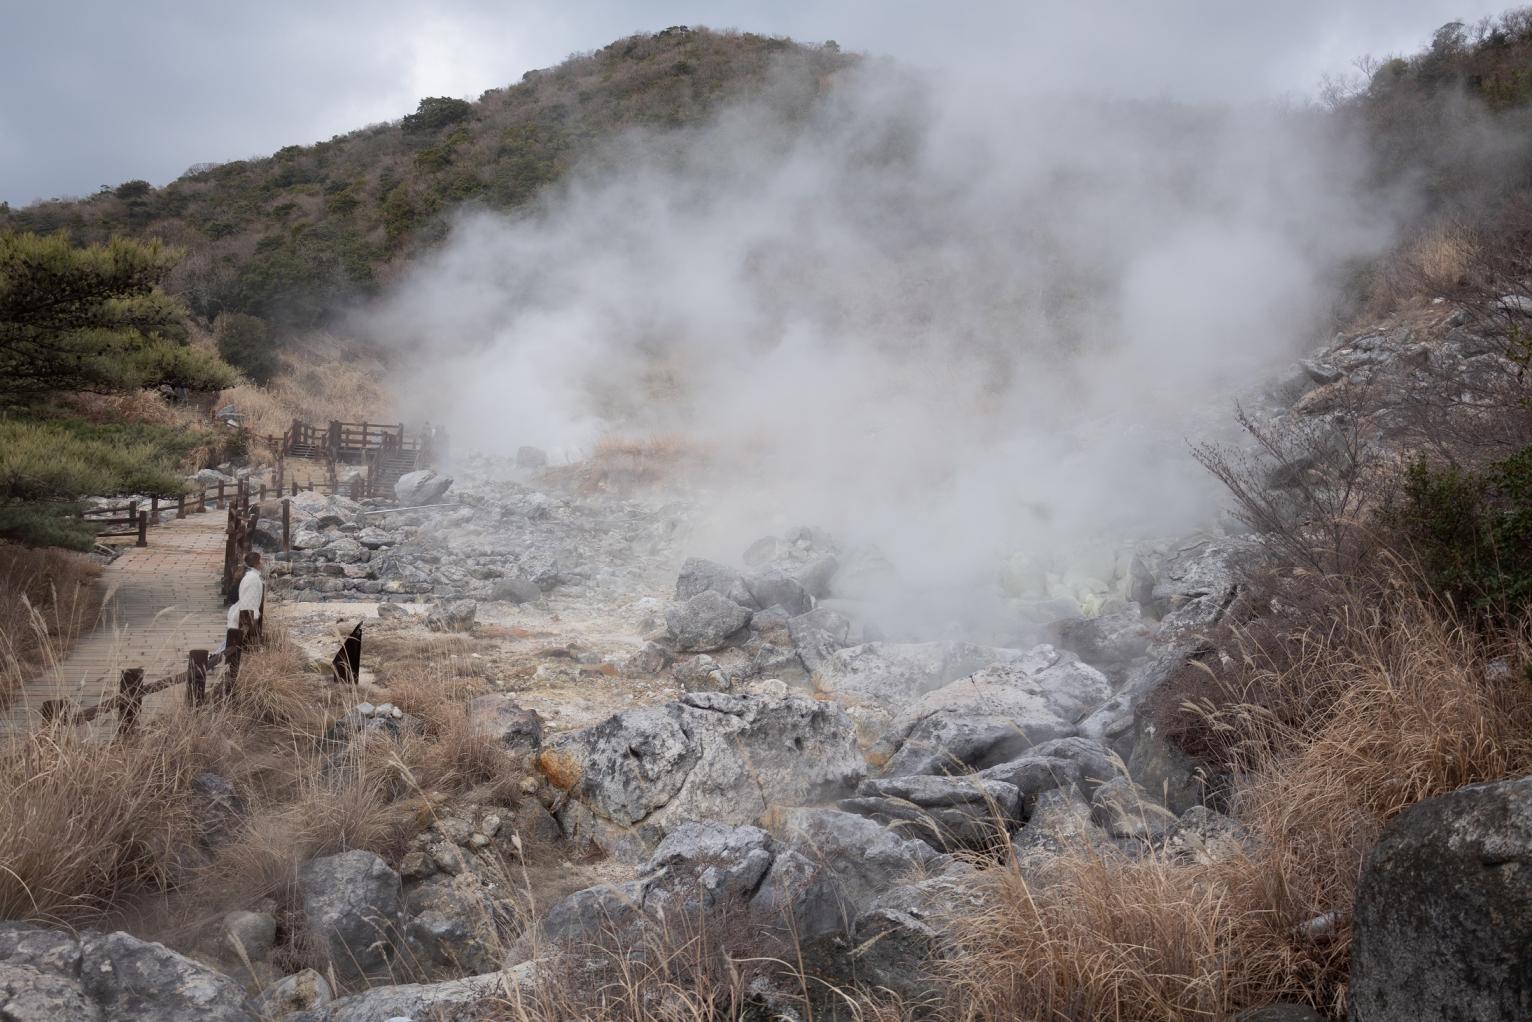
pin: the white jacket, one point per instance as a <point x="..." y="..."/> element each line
<point x="251" y="588"/>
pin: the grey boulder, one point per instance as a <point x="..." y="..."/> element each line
<point x="947" y="813"/>
<point x="705" y="621"/>
<point x="774" y="588"/>
<point x="817" y="635"/>
<point x="1063" y="762"/>
<point x="353" y="906"/>
<point x="1126" y="810"/>
<point x="47" y="975"/>
<point x="1443" y="916"/>
<point x="699" y="575"/>
<point x="709" y="756"/>
<point x="503" y="719"/>
<point x="1109" y="640"/>
<point x="457" y="616"/>
<point x="425" y="486"/>
<point x="991" y="716"/>
<point x="457" y="1000"/>
<point x="1195" y="583"/>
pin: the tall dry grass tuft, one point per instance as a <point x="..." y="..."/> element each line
<point x="1408" y="705"/>
<point x="1092" y="934"/>
<point x="48" y="598"/>
<point x="276" y="690"/>
<point x="86" y="824"/>
<point x="314" y="388"/>
<point x="456" y="757"/>
<point x="708" y="967"/>
<point x="1440" y="261"/>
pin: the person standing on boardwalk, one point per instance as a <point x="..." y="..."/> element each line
<point x="252" y="591"/>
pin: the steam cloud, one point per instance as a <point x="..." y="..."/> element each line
<point x="948" y="320"/>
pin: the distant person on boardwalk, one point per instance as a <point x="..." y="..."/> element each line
<point x="252" y="591"/>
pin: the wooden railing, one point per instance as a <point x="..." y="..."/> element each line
<point x="132" y="689"/>
<point x="136" y="517"/>
<point x="382" y="448"/>
<point x="347" y="441"/>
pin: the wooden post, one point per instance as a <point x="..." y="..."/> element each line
<point x="181" y="507"/>
<point x="287" y="526"/>
<point x="143" y="529"/>
<point x="130" y="700"/>
<point x="231" y="658"/>
<point x="230" y="552"/>
<point x="196" y="677"/>
<point x="133" y="513"/>
<point x="154" y="510"/>
<point x="260" y="496"/>
<point x="295" y="487"/>
<point x="220" y="492"/>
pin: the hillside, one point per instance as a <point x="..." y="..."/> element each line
<point x="295" y="236"/>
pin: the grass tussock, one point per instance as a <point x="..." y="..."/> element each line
<point x="207" y="810"/>
<point x="48" y="598"/>
<point x="315" y="389"/>
<point x="1347" y="725"/>
<point x="717" y="966"/>
<point x="85" y="824"/>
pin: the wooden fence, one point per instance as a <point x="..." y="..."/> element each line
<point x="346" y="441"/>
<point x="133" y="689"/>
<point x="135" y="518"/>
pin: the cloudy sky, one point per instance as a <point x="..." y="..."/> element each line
<point x="99" y="92"/>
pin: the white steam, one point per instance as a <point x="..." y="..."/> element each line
<point x="942" y="319"/>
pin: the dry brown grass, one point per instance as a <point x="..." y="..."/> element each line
<point x="315" y="388"/>
<point x="1439" y="261"/>
<point x="85" y="824"/>
<point x="713" y="967"/>
<point x="456" y="757"/>
<point x="1409" y="712"/>
<point x="48" y="598"/>
<point x="1442" y="260"/>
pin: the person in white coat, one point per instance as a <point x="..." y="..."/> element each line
<point x="252" y="590"/>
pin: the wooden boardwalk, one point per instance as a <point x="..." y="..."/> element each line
<point x="161" y="601"/>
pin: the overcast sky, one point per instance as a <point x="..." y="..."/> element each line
<point x="95" y="93"/>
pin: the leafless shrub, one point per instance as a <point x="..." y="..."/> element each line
<point x="1302" y="487"/>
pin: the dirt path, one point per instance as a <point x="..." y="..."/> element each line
<point x="160" y="601"/>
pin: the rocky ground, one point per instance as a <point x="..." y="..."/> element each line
<point x="737" y="741"/>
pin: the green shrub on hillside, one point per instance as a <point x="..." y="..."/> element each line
<point x="245" y="343"/>
<point x="1471" y="532"/>
<point x="47" y="466"/>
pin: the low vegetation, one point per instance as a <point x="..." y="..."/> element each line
<point x="82" y="321"/>
<point x="1332" y="724"/>
<point x="48" y="597"/>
